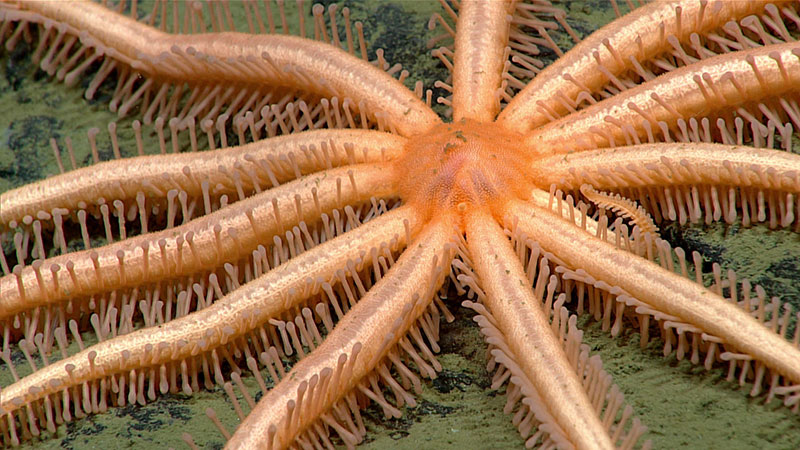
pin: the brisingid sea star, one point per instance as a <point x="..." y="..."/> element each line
<point x="325" y="249"/>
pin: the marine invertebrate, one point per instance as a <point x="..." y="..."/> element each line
<point x="669" y="84"/>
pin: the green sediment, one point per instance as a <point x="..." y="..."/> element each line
<point x="684" y="406"/>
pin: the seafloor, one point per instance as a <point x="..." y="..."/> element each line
<point x="684" y="406"/>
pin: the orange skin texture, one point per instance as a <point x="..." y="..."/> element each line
<point x="458" y="180"/>
<point x="467" y="162"/>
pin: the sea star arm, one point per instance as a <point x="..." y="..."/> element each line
<point x="481" y="38"/>
<point x="191" y="338"/>
<point x="373" y="327"/>
<point x="534" y="347"/>
<point x="613" y="50"/>
<point x="682" y="300"/>
<point x="274" y="60"/>
<point x="566" y="207"/>
<point x="227" y="235"/>
<point x="695" y="168"/>
<point x="255" y="165"/>
<point x="727" y="82"/>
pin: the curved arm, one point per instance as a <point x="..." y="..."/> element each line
<point x="228" y="234"/>
<point x="372" y="326"/>
<point x="238" y="57"/>
<point x="727" y="81"/>
<point x="669" y="165"/>
<point x="155" y="175"/>
<point x="228" y="318"/>
<point x="522" y="320"/>
<point x="481" y="39"/>
<point x="648" y="24"/>
<point x="665" y="291"/>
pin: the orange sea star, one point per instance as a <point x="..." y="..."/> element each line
<point x="325" y="248"/>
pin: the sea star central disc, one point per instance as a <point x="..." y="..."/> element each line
<point x="463" y="162"/>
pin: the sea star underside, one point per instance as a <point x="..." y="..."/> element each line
<point x="312" y="260"/>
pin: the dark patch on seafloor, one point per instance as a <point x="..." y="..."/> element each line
<point x="29" y="135"/>
<point x="769" y="258"/>
<point x="140" y="423"/>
